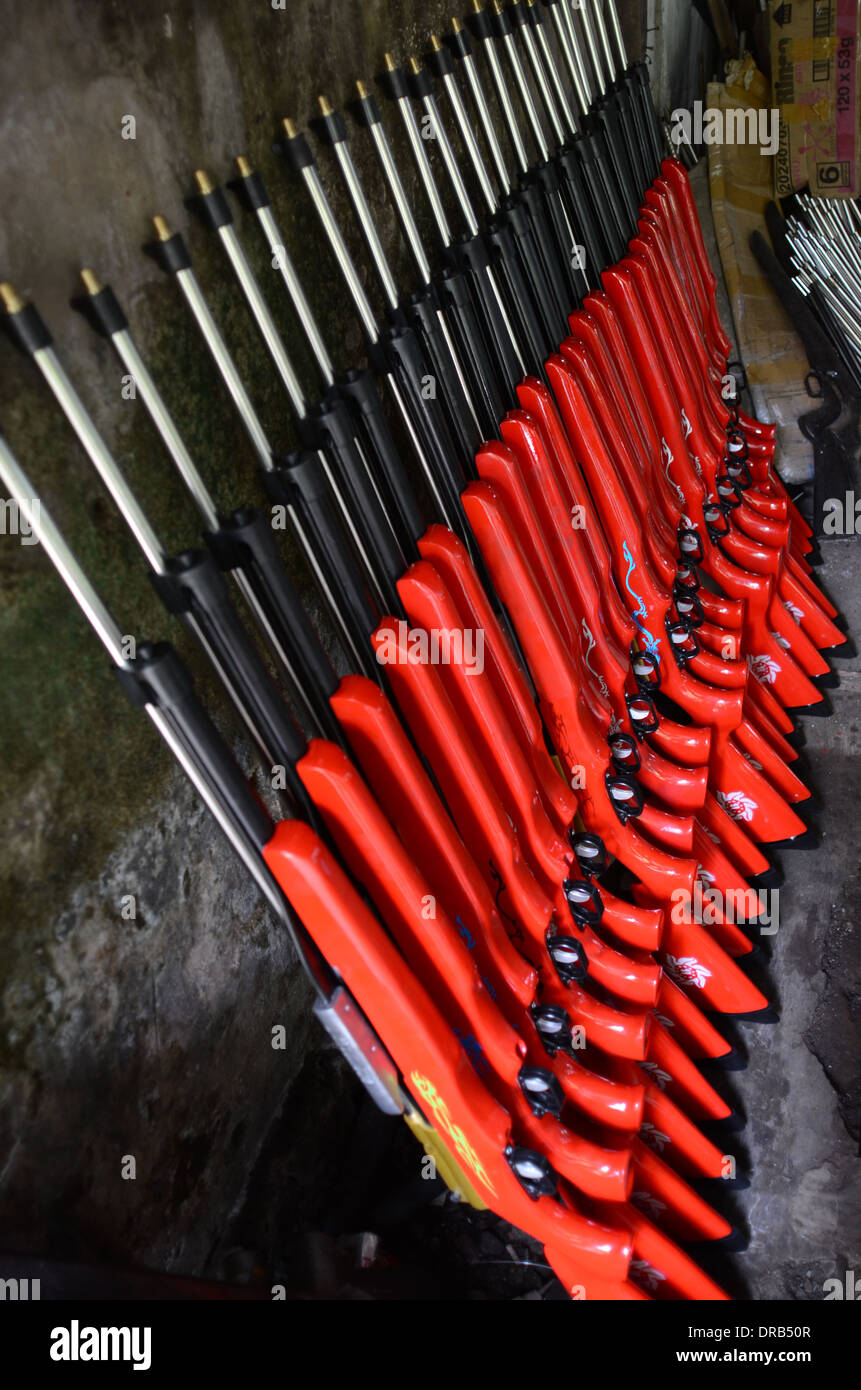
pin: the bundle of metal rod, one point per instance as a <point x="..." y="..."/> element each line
<point x="578" y="614"/>
<point x="825" y="244"/>
<point x="833" y="380"/>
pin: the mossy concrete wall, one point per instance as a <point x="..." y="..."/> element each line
<point x="148" y="1036"/>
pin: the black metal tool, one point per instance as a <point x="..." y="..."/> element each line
<point x="531" y="220"/>
<point x="156" y="680"/>
<point x="447" y="295"/>
<point x="355" y="387"/>
<point x="243" y="544"/>
<point x="299" y="482"/>
<point x="588" y="160"/>
<point x="422" y="310"/>
<point x="395" y="354"/>
<point x="326" y="428"/>
<point x="578" y="239"/>
<point x="539" y="191"/>
<point x="834" y="475"/>
<point x="469" y="252"/>
<point x="589" y="172"/>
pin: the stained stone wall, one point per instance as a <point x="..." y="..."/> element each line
<point x="147" y="1036"/>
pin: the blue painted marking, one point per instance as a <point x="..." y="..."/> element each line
<point x="473" y="1049"/>
<point x="652" y="643"/>
<point x="465" y="933"/>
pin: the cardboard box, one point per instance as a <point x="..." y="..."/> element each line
<point x="816" y="79"/>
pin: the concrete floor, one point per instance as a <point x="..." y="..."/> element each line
<point x="801" y="1091"/>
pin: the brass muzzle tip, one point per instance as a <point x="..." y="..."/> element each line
<point x="12" y="301"/>
<point x="91" y="280"/>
